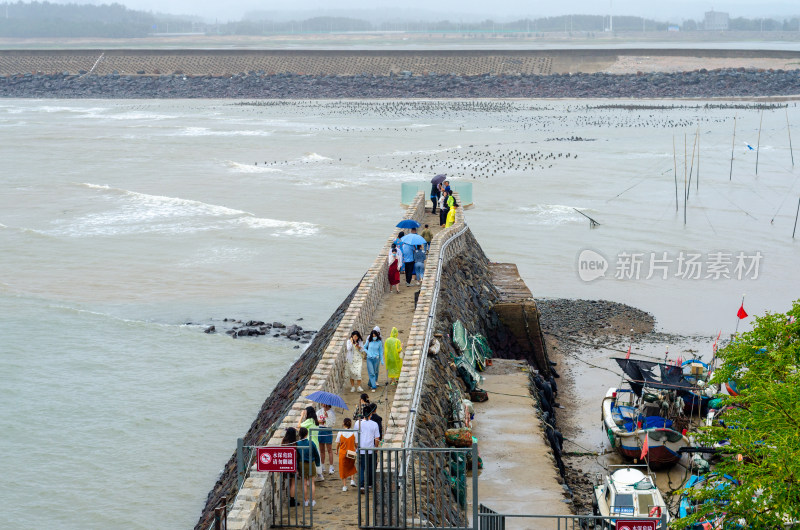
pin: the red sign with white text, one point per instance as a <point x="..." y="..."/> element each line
<point x="280" y="459"/>
<point x="636" y="525"/>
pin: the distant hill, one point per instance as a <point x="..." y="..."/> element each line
<point x="45" y="19"/>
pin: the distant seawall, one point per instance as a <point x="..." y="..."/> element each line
<point x="220" y="62"/>
<point x="340" y="74"/>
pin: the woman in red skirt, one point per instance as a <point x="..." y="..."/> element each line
<point x="394" y="268"/>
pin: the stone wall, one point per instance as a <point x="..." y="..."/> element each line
<point x="251" y="509"/>
<point x="274" y="408"/>
<point x="410" y="375"/>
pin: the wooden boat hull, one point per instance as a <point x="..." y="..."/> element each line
<point x="664" y="444"/>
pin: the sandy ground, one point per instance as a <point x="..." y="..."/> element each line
<point x="337" y="509"/>
<point x="631" y="64"/>
<point x="519" y="474"/>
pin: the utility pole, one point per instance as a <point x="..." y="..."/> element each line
<point x="611" y="16"/>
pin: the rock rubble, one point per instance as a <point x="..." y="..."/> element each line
<point x="739" y="82"/>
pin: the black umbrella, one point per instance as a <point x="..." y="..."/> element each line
<point x="438" y="179"/>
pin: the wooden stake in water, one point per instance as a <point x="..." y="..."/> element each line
<point x="697" y="179"/>
<point x="691" y="167"/>
<point x="733" y="145"/>
<point x="795" y="218"/>
<point x="684" y="179"/>
<point x="758" y="146"/>
<point x="790" y="135"/>
<point x="675" y="172"/>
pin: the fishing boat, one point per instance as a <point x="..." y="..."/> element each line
<point x="629" y="429"/>
<point x="688" y="505"/>
<point x="628" y="493"/>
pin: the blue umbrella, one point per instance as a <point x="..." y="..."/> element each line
<point x="414" y="240"/>
<point x="408" y="223"/>
<point x="327" y="398"/>
<point x="438" y="179"/>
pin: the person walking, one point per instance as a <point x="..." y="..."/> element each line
<point x="394" y="363"/>
<point x="354" y="358"/>
<point x="290" y="440"/>
<point x="427" y="235"/>
<point x="399" y="244"/>
<point x="395" y="258"/>
<point x="363" y="402"/>
<point x="346" y="451"/>
<point x="326" y="417"/>
<point x="308" y="420"/>
<point x="308" y="460"/>
<point x="374" y="356"/>
<point x="435" y="192"/>
<point x="419" y="263"/>
<point x="372" y="413"/>
<point x="408" y="262"/>
<point x="368" y="438"/>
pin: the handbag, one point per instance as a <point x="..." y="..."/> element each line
<point x="350" y="454"/>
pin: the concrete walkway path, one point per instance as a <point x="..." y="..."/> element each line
<point x="337" y="509"/>
<point x="519" y="473"/>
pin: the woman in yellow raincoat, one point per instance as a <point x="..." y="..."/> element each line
<point x="451" y="215"/>
<point x="391" y="351"/>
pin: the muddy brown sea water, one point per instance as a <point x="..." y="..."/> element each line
<point x="584" y="355"/>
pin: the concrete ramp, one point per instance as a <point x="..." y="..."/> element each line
<point x="519" y="474"/>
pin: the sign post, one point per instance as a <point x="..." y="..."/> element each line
<point x="277" y="459"/>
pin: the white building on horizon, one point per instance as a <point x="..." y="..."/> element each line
<point x="716" y="21"/>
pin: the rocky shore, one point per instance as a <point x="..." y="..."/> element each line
<point x="702" y="83"/>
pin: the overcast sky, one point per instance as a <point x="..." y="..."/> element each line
<point x="672" y="10"/>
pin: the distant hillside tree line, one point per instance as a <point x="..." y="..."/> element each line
<point x="45" y="19"/>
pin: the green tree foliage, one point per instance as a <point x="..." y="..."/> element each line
<point x="761" y="425"/>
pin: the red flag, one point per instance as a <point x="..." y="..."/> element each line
<point x="645" y="447"/>
<point x="741" y="313"/>
<point x="628" y="356"/>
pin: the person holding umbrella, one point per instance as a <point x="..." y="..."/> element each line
<point x="436" y="190"/>
<point x="408" y="258"/>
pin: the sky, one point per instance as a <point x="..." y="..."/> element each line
<point x="672" y="11"/>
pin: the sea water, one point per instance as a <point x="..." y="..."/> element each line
<point x="126" y="226"/>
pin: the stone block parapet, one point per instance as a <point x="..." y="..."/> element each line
<point x="251" y="509"/>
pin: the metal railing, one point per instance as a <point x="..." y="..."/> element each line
<point x="491" y="520"/>
<point x="412" y="426"/>
<point x="419" y="487"/>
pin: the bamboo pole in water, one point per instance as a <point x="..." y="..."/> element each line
<point x="675" y="171"/>
<point x="790" y="135"/>
<point x="758" y="146"/>
<point x="691" y="166"/>
<point x="684" y="178"/>
<point x="733" y="145"/>
<point x="697" y="179"/>
<point x="795" y="218"/>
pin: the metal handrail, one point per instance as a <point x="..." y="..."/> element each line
<point x="428" y="334"/>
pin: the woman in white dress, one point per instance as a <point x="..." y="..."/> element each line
<point x="355" y="356"/>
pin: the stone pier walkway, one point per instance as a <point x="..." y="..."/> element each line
<point x="337" y="509"/>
